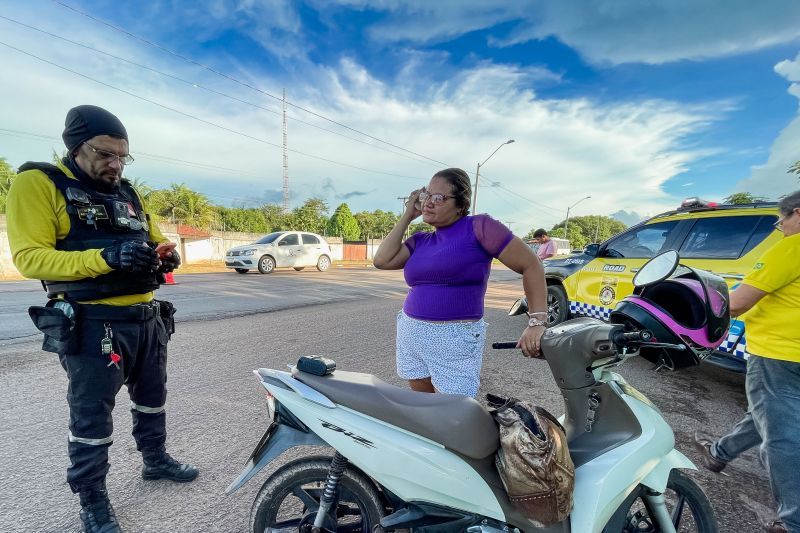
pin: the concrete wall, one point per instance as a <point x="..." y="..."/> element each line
<point x="7" y="268"/>
<point x="192" y="250"/>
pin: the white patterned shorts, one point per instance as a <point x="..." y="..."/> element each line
<point x="450" y="353"/>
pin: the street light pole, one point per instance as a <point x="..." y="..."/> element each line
<point x="478" y="172"/>
<point x="566" y="222"/>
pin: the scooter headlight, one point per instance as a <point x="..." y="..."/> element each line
<point x="270" y="405"/>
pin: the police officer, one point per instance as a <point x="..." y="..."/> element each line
<point x="83" y="230"/>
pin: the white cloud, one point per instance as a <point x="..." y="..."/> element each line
<point x="603" y="31"/>
<point x="772" y="179"/>
<point x="619" y="153"/>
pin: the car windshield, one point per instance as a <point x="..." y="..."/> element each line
<point x="266" y="239"/>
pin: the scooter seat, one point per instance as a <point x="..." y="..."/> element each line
<point x="457" y="422"/>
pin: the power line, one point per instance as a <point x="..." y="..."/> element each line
<point x="244" y="84"/>
<point x="225" y="128"/>
<point x="538" y="204"/>
<point x="144" y="155"/>
<point x="204" y="88"/>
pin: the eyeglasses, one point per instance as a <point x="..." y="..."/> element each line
<point x="111" y="156"/>
<point x="436" y="199"/>
<point x="778" y="225"/>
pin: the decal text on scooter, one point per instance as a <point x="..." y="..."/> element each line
<point x="356" y="438"/>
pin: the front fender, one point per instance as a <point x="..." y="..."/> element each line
<point x="657" y="478"/>
<point x="277" y="439"/>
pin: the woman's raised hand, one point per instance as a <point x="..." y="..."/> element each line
<point x="413" y="205"/>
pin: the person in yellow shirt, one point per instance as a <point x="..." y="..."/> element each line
<point x="84" y="231"/>
<point x="770" y="297"/>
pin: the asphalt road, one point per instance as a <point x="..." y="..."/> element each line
<point x="230" y="325"/>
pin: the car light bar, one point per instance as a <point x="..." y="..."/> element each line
<point x="695" y="202"/>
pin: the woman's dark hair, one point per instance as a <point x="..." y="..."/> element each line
<point x="539" y="233"/>
<point x="462" y="188"/>
<point x="789" y="203"/>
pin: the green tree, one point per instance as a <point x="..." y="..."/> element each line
<point x="586" y="229"/>
<point x="796" y="169"/>
<point x="311" y="216"/>
<point x="384" y="222"/>
<point x="743" y="198"/>
<point x="275" y="218"/>
<point x="375" y="225"/>
<point x="180" y="204"/>
<point x="141" y="186"/>
<point x="343" y="224"/>
<point x="420" y="227"/>
<point x="7" y="175"/>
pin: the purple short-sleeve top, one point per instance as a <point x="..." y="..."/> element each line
<point x="448" y="270"/>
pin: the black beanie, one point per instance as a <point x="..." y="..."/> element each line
<point x="87" y="121"/>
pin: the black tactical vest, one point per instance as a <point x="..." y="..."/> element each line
<point x="98" y="220"/>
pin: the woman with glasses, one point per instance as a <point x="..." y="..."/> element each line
<point x="440" y="330"/>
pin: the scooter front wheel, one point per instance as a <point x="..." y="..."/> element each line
<point x="687" y="505"/>
<point x="289" y="499"/>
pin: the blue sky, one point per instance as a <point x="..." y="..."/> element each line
<point x="637" y="104"/>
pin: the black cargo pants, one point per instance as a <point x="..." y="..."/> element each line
<point x="139" y="335"/>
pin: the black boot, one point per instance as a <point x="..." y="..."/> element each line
<point x="97" y="514"/>
<point x="158" y="464"/>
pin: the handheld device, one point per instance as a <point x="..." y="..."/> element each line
<point x="164" y="248"/>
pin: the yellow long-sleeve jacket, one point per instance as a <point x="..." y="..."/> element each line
<point x="37" y="218"/>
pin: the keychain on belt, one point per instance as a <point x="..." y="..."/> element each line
<point x="107" y="347"/>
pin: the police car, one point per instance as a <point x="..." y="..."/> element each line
<point x="724" y="239"/>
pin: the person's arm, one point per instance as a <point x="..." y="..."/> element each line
<point x="773" y="270"/>
<point x="521" y="259"/>
<point x="36" y="212"/>
<point x="744" y="298"/>
<point x="392" y="254"/>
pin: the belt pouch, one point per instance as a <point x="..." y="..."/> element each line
<point x="57" y="321"/>
<point x="167" y="311"/>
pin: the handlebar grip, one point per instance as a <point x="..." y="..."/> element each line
<point x="643" y="335"/>
<point x="504" y="345"/>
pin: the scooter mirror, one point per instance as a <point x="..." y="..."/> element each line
<point x="657" y="269"/>
<point x="519" y="307"/>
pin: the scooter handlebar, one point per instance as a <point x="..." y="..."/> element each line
<point x="632" y="336"/>
<point x="504" y="345"/>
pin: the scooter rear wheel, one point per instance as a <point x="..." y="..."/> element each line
<point x="687" y="504"/>
<point x="289" y="499"/>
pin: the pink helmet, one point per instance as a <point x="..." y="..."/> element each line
<point x="690" y="308"/>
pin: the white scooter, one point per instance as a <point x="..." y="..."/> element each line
<point x="411" y="460"/>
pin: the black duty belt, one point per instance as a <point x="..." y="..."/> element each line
<point x="140" y="312"/>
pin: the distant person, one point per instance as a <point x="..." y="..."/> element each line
<point x="84" y="231"/>
<point x="440" y="330"/>
<point x="547" y="247"/>
<point x="770" y="295"/>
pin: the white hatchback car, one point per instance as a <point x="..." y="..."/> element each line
<point x="297" y="249"/>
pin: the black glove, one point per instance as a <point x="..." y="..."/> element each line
<point x="170" y="262"/>
<point x="131" y="256"/>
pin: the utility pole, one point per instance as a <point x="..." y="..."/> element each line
<point x="478" y="173"/>
<point x="404" y="199"/>
<point x="566" y="222"/>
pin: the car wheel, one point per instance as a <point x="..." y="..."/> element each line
<point x="323" y="263"/>
<point x="557" y="305"/>
<point x="266" y="264"/>
<point x="242" y="270"/>
<point x="299" y="268"/>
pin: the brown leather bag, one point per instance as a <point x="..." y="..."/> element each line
<point x="533" y="461"/>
